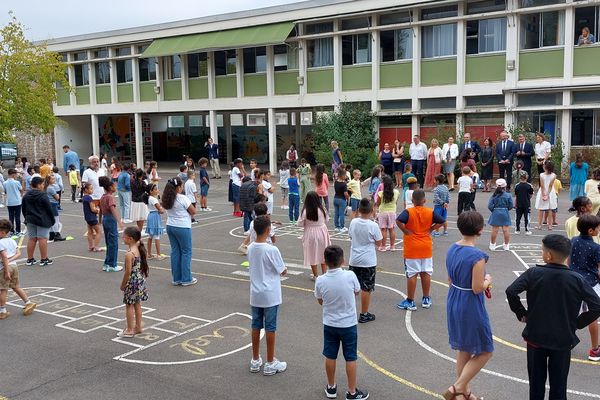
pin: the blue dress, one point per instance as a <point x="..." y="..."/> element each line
<point x="578" y="177"/>
<point x="500" y="207"/>
<point x="469" y="327"/>
<point x="154" y="226"/>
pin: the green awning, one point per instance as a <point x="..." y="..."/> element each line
<point x="229" y="39"/>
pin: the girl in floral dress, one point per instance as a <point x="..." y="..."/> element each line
<point x="133" y="284"/>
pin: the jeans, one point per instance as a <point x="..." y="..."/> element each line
<point x="417" y="169"/>
<point x="247" y="219"/>
<point x="124" y="204"/>
<point x="111" y="237"/>
<point x="543" y="362"/>
<point x="339" y="206"/>
<point x="14" y="216"/>
<point x="294" y="204"/>
<point x="181" y="253"/>
<point x="73" y="192"/>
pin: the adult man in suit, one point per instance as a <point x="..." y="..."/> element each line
<point x="213" y="156"/>
<point x="504" y="155"/>
<point x="523" y="152"/>
<point x="470" y="144"/>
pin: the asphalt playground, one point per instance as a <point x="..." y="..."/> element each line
<point x="196" y="340"/>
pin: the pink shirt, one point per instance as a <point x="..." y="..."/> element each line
<point x="323" y="188"/>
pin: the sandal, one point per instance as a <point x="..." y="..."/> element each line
<point x="122" y="334"/>
<point x="468" y="396"/>
<point x="98" y="250"/>
<point x="450" y="395"/>
<point x="160" y="257"/>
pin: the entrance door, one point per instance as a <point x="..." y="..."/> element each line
<point x="582" y="128"/>
<point x="159" y="146"/>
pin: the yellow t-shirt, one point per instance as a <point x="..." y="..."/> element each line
<point x="354" y="187"/>
<point x="558" y="187"/>
<point x="571" y="228"/>
<point x="388" y="207"/>
<point x="73" y="181"/>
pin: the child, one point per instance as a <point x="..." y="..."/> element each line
<point x="204" y="184"/>
<point x="475" y="178"/>
<point x="465" y="186"/>
<point x="124" y="188"/>
<point x="500" y="204"/>
<point x="191" y="191"/>
<point x="305" y="173"/>
<point x="294" y="196"/>
<point x="230" y="185"/>
<point x="247" y="195"/>
<point x="90" y="214"/>
<point x="322" y="187"/>
<point x="236" y="183"/>
<point x="578" y="173"/>
<point x="417" y="223"/>
<point x="365" y="236"/>
<point x="58" y="184"/>
<point x="375" y="181"/>
<point x="154" y="227"/>
<point x="284" y="175"/>
<point x="523" y="193"/>
<point x="340" y="200"/>
<point x="51" y="190"/>
<point x="386" y="204"/>
<point x="259" y="210"/>
<point x="583" y="206"/>
<point x="40" y="218"/>
<point x="268" y="190"/>
<point x="554" y="297"/>
<point x="253" y="166"/>
<point x="441" y="201"/>
<point x="183" y="170"/>
<point x="73" y="182"/>
<point x="14" y="193"/>
<point x="111" y="225"/>
<point x="585" y="259"/>
<point x="546" y="200"/>
<point x="266" y="269"/>
<point x="315" y="239"/>
<point x="9" y="274"/>
<point x="518" y="172"/>
<point x="413" y="185"/>
<point x="355" y="194"/>
<point x="557" y="188"/>
<point x="336" y="291"/>
<point x="133" y="284"/>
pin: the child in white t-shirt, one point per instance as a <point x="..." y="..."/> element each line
<point x="259" y="209"/>
<point x="191" y="190"/>
<point x="465" y="187"/>
<point x="413" y="184"/>
<point x="154" y="227"/>
<point x="284" y="174"/>
<point x="268" y="190"/>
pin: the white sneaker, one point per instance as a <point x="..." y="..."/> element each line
<point x="271" y="368"/>
<point x="208" y="209"/>
<point x="127" y="221"/>
<point x="528" y="233"/>
<point x="344" y="230"/>
<point x="506" y="246"/>
<point x="243" y="249"/>
<point x="256" y="364"/>
<point x="517" y="231"/>
<point x="492" y="246"/>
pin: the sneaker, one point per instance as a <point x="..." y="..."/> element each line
<point x="190" y="283"/>
<point x="30" y="261"/>
<point x="4" y="315"/>
<point x="243" y="249"/>
<point x="359" y="394"/>
<point x="105" y="267"/>
<point x="208" y="209"/>
<point x="366" y="317"/>
<point x="45" y="262"/>
<point x="492" y="246"/>
<point x="271" y="368"/>
<point x="256" y="364"/>
<point x="517" y="231"/>
<point x="58" y="238"/>
<point x="528" y="233"/>
<point x="331" y="392"/>
<point x="435" y="234"/>
<point x="406" y="305"/>
<point x="114" y="269"/>
<point x="594" y="354"/>
<point x="426" y="303"/>
<point x="506" y="247"/>
<point x="344" y="230"/>
<point x="194" y="222"/>
<point x="445" y="233"/>
<point x="555" y="223"/>
<point x="29" y="307"/>
<point x="337" y="229"/>
<point x="127" y="221"/>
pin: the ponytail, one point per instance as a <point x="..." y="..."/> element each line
<point x="144" y="269"/>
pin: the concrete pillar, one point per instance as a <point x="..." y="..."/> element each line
<point x="211" y="77"/>
<point x="337" y="64"/>
<point x="239" y="72"/>
<point x="415" y="125"/>
<point x="461" y="57"/>
<point x="512" y="46"/>
<point x="375" y="64"/>
<point x="135" y="73"/>
<point x="302" y="66"/>
<point x="139" y="139"/>
<point x="270" y="72"/>
<point x="185" y="91"/>
<point x="212" y="122"/>
<point x="71" y="77"/>
<point x="92" y="75"/>
<point x="569" y="45"/>
<point x="113" y="76"/>
<point x="416" y="67"/>
<point x="95" y="134"/>
<point x="159" y="78"/>
<point x="272" y="140"/>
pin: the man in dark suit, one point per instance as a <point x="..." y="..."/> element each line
<point x="470" y="144"/>
<point x="524" y="152"/>
<point x="504" y="154"/>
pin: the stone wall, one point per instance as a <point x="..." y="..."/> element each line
<point x="35" y="147"/>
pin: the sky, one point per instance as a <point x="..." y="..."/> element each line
<point x="45" y="19"/>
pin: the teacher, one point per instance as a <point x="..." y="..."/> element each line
<point x="386" y="159"/>
<point x="418" y="155"/>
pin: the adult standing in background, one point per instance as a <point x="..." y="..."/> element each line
<point x="70" y="158"/>
<point x="434" y="164"/>
<point x="523" y="152"/>
<point x="336" y="156"/>
<point x="542" y="150"/>
<point x="213" y="157"/>
<point x="387" y="159"/>
<point x="504" y="155"/>
<point x="90" y="176"/>
<point x="292" y="156"/>
<point x="470" y="144"/>
<point x="418" y="155"/>
<point x="398" y="160"/>
<point x="487" y="164"/>
<point x="450" y="153"/>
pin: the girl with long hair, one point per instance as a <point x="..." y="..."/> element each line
<point x="386" y="202"/>
<point x="154" y="227"/>
<point x="139" y="210"/>
<point x="546" y="200"/>
<point x="322" y="185"/>
<point x="500" y="204"/>
<point x="313" y="219"/>
<point x="398" y="155"/>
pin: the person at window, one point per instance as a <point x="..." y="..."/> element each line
<point x="586" y="37"/>
<point x="504" y="155"/>
<point x="386" y="159"/>
<point x="523" y="152"/>
<point x="450" y="153"/>
<point x="470" y="144"/>
<point x="418" y="155"/>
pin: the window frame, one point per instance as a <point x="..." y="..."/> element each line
<point x="354" y="42"/>
<point x="310" y="49"/>
<point x="540" y="39"/>
<point x="227" y="57"/>
<point x="476" y="36"/>
<point x="455" y="50"/>
<point x="395" y="33"/>
<point x="202" y="70"/>
<point x="253" y="52"/>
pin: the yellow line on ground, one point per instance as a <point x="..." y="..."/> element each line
<point x="517" y="347"/>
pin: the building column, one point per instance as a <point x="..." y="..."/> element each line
<point x="270" y="72"/>
<point x="71" y="78"/>
<point x="95" y="134"/>
<point x="569" y="44"/>
<point x="92" y="76"/>
<point x="302" y="63"/>
<point x="337" y="64"/>
<point x="135" y="73"/>
<point x="239" y="72"/>
<point x="461" y="57"/>
<point x="460" y="126"/>
<point x="512" y="46"/>
<point x="113" y="76"/>
<point x="159" y="79"/>
<point x="272" y="140"/>
<point x="565" y="125"/>
<point x="185" y="90"/>
<point x="375" y="65"/>
<point x="416" y="72"/>
<point x="210" y="60"/>
<point x="415" y="125"/>
<point x="212" y="123"/>
<point x="139" y="140"/>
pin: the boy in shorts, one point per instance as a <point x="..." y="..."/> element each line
<point x="441" y="200"/>
<point x="365" y="236"/>
<point x="417" y="223"/>
<point x="9" y="274"/>
<point x="204" y="184"/>
<point x="336" y="291"/>
<point x="191" y="191"/>
<point x="266" y="269"/>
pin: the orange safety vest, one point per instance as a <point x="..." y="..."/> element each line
<point x="419" y="244"/>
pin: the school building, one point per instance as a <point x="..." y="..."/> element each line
<point x="256" y="80"/>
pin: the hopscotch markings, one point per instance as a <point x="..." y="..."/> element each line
<point x="86" y="324"/>
<point x="148" y="336"/>
<point x="118" y="312"/>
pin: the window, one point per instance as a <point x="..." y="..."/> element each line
<point x="396" y="45"/>
<point x="540" y="99"/>
<point x="103" y="53"/>
<point x="586" y="97"/>
<point x="219" y="121"/>
<point x="356" y="23"/>
<point x="485" y="101"/>
<point x="306" y="118"/>
<point x="172" y="67"/>
<point x="484" y="119"/>
<point x="236" y="119"/>
<point x="176" y="121"/>
<point x="585" y="128"/>
<point x="434" y="120"/>
<point x="257" y="120"/>
<point x="82" y="71"/>
<point x="396" y="104"/>
<point x="395" y="18"/>
<point x="285" y="56"/>
<point x="124" y="67"/>
<point x="195" y="120"/>
<point x="439" y="12"/>
<point x="486" y="35"/>
<point x="225" y="62"/>
<point x="440" y="102"/>
<point x="439" y="41"/>
<point x="255" y="60"/>
<point x="312" y="29"/>
<point x="536" y="3"/>
<point x="147" y="69"/>
<point x="587" y="17"/>
<point x="102" y="72"/>
<point x="197" y="65"/>
<point x="356" y="49"/>
<point x="486" y="6"/>
<point x="542" y="29"/>
<point x="320" y="52"/>
<point x="281" y="118"/>
<point x="541" y="121"/>
<point x="395" y="120"/>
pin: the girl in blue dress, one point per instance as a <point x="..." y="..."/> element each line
<point x="469" y="327"/>
<point x="578" y="172"/>
<point x="500" y="204"/>
<point x="154" y="227"/>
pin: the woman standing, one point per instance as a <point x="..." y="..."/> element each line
<point x="386" y="159"/>
<point x="487" y="164"/>
<point x="450" y="153"/>
<point x="139" y="210"/>
<point x="315" y="239"/>
<point x="434" y="164"/>
<point x="305" y="173"/>
<point x="542" y="151"/>
<point x="591" y="190"/>
<point x="103" y="171"/>
<point x="179" y="229"/>
<point x="336" y="156"/>
<point x="291" y="156"/>
<point x="398" y="156"/>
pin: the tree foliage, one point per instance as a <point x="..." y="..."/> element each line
<point x="28" y="73"/>
<point x="352" y="125"/>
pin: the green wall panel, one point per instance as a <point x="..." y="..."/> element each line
<point x="541" y="64"/>
<point x="438" y="72"/>
<point x="586" y="61"/>
<point x="198" y="88"/>
<point x="356" y="77"/>
<point x="82" y="95"/>
<point x="172" y="89"/>
<point x="320" y="80"/>
<point x="286" y="82"/>
<point x="147" y="91"/>
<point x="485" y="68"/>
<point x="103" y="94"/>
<point x="63" y="97"/>
<point x="395" y="75"/>
<point x="125" y="92"/>
<point x="255" y="85"/>
<point x="226" y="86"/>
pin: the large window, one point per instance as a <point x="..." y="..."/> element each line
<point x="485" y="6"/>
<point x="147" y="66"/>
<point x="172" y="67"/>
<point x="396" y="45"/>
<point x="82" y="72"/>
<point x="438" y="41"/>
<point x="197" y="65"/>
<point x="541" y="121"/>
<point x="439" y="12"/>
<point x="312" y="29"/>
<point x="586" y="17"/>
<point x="255" y="60"/>
<point x="285" y="56"/>
<point x="394" y="18"/>
<point x="486" y="35"/>
<point x="225" y="62"/>
<point x="356" y="23"/>
<point x="102" y="67"/>
<point x="356" y="49"/>
<point x="542" y="29"/>
<point x="536" y="3"/>
<point x="124" y="67"/>
<point x="585" y="128"/>
<point x="320" y="52"/>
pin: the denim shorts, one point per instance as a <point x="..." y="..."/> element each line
<point x="235" y="193"/>
<point x="354" y="203"/>
<point x="265" y="318"/>
<point x="35" y="231"/>
<point x="204" y="190"/>
<point x="332" y="338"/>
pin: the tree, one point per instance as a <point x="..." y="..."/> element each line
<point x="28" y="73"/>
<point x="352" y="125"/>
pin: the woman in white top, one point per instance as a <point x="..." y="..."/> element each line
<point x="450" y="154"/>
<point x="542" y="151"/>
<point x="546" y="199"/>
<point x="291" y="156"/>
<point x="434" y="164"/>
<point x="591" y="191"/>
<point x="179" y="229"/>
<point x="103" y="171"/>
